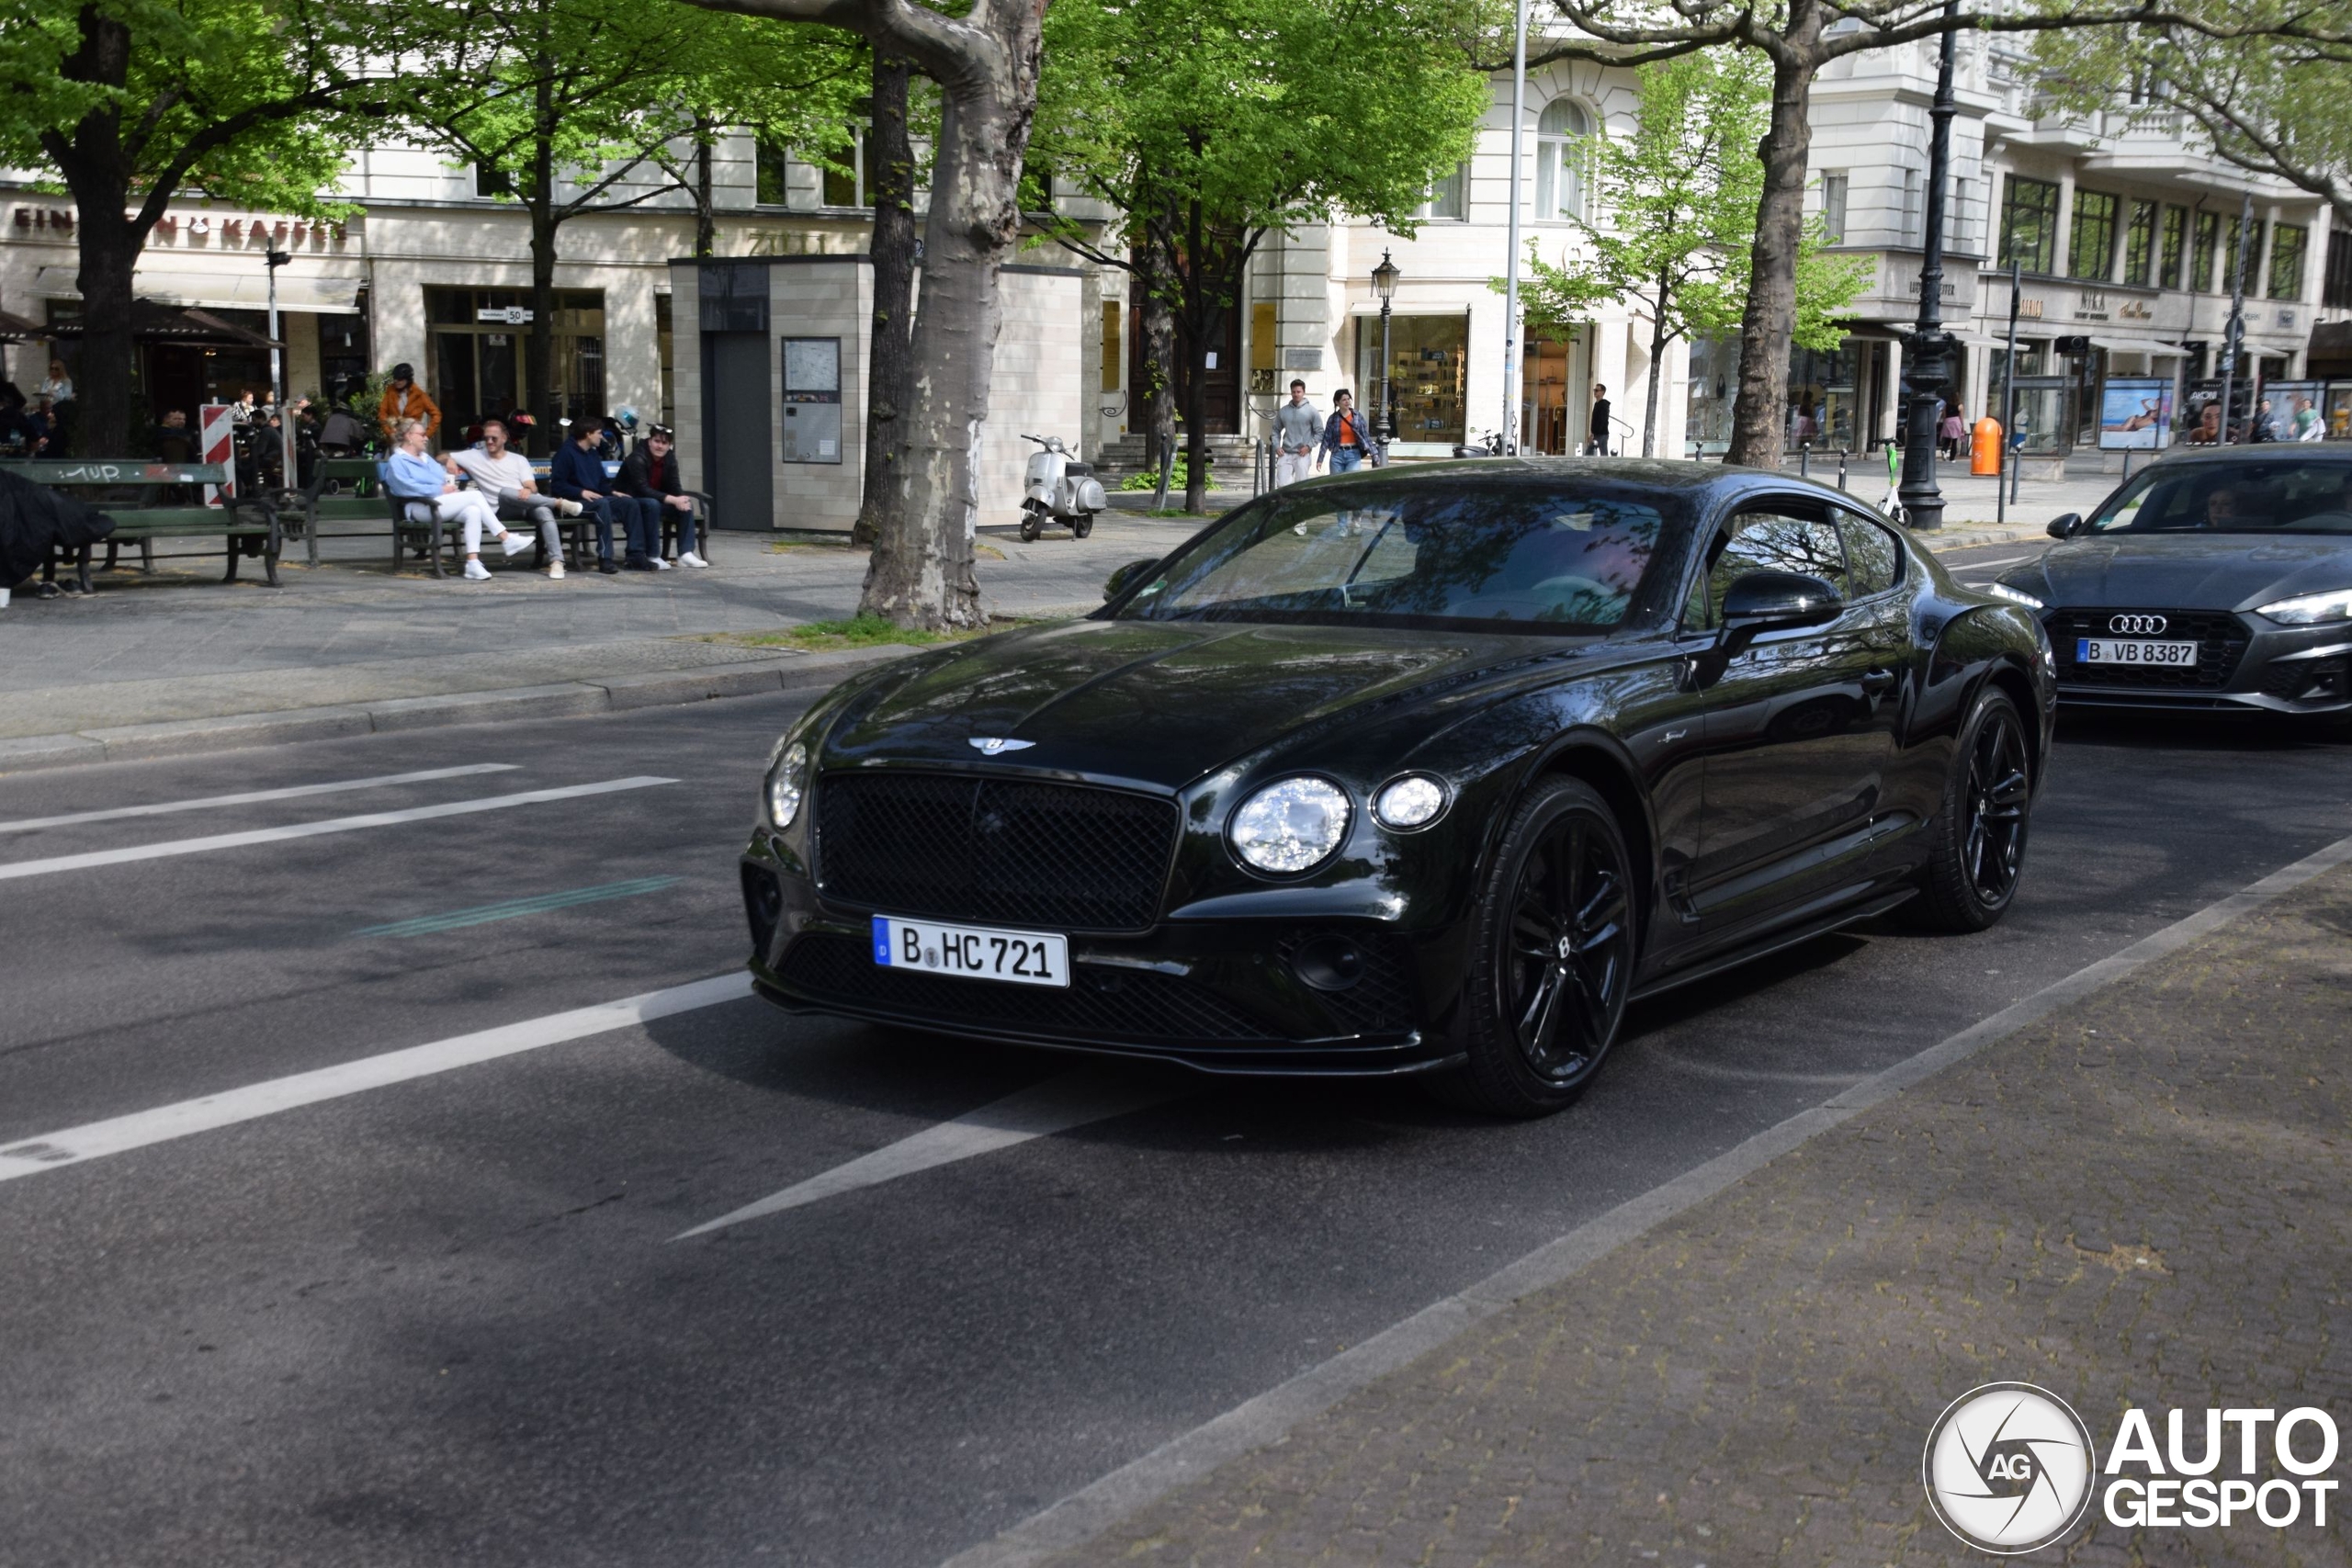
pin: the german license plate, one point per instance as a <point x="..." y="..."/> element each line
<point x="2134" y="650"/>
<point x="975" y="952"/>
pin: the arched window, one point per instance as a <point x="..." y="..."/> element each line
<point x="1560" y="134"/>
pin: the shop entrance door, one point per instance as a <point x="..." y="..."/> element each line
<point x="174" y="377"/>
<point x="1543" y="395"/>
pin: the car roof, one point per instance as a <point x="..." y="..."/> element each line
<point x="2259" y="453"/>
<point x="1706" y="479"/>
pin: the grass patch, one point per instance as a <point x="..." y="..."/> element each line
<point x="858" y="631"/>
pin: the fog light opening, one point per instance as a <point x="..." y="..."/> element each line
<point x="1328" y="964"/>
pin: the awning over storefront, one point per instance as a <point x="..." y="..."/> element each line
<point x="238" y="290"/>
<point x="2140" y="345"/>
<point x="16" y="329"/>
<point x="153" y="322"/>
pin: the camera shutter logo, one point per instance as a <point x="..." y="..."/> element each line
<point x="2137" y="626"/>
<point x="2009" y="1468"/>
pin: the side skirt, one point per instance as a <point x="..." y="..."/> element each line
<point x="1773" y="942"/>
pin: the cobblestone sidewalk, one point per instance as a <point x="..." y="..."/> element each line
<point x="2145" y="1200"/>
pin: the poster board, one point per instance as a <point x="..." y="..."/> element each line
<point x="2135" y="415"/>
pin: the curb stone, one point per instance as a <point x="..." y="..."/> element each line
<point x="618" y="694"/>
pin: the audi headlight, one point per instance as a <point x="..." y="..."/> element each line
<point x="1291" y="824"/>
<point x="2014" y="595"/>
<point x="787" y="783"/>
<point x="1413" y="801"/>
<point x="2311" y="609"/>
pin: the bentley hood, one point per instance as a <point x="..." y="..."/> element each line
<point x="1155" y="703"/>
<point x="2188" y="571"/>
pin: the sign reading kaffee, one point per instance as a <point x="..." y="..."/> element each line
<point x="221" y="231"/>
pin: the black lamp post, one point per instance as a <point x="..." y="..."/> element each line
<point x="1926" y="374"/>
<point x="288" y="478"/>
<point x="1384" y="283"/>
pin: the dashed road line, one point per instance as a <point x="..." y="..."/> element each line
<point x="482" y="914"/>
<point x="250" y="798"/>
<point x="129" y="852"/>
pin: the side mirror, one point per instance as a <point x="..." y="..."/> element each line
<point x="1776" y="601"/>
<point x="2065" y="526"/>
<point x="1127" y="576"/>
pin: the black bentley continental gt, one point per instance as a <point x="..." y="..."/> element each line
<point x="1412" y="771"/>
<point x="2217" y="580"/>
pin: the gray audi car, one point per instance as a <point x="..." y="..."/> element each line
<point x="2217" y="580"/>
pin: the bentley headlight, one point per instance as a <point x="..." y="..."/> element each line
<point x="2014" y="595"/>
<point x="787" y="783"/>
<point x="1291" y="824"/>
<point x="2311" y="609"/>
<point x="1413" y="801"/>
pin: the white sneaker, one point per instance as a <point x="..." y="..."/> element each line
<point x="567" y="508"/>
<point x="658" y="564"/>
<point x="515" y="541"/>
<point x="475" y="571"/>
<point x="690" y="559"/>
<point x="554" y="571"/>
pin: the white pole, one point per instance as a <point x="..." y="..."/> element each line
<point x="1510" y="272"/>
<point x="286" y="478"/>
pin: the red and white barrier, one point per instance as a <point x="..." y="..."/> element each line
<point x="216" y="442"/>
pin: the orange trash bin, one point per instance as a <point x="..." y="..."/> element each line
<point x="1985" y="446"/>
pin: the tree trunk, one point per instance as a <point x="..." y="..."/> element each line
<point x="891" y="185"/>
<point x="97" y="173"/>
<point x="705" y="198"/>
<point x="920" y="571"/>
<point x="1159" y="371"/>
<point x="1657" y="365"/>
<point x="538" y="363"/>
<point x="1770" y="316"/>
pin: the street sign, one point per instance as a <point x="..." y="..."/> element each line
<point x="512" y="315"/>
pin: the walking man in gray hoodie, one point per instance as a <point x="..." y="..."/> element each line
<point x="1298" y="432"/>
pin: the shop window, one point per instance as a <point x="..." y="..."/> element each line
<point x="477" y="340"/>
<point x="1834" y="187"/>
<point x="2030" y="224"/>
<point x="2204" y="260"/>
<point x="666" y="336"/>
<point x="344" y="357"/>
<point x="1562" y="133"/>
<point x="1262" y="333"/>
<point x="1824" y="398"/>
<point x="1449" y="195"/>
<point x="2091" y="253"/>
<point x="2286" y="242"/>
<point x="1713" y="387"/>
<point x="2335" y="292"/>
<point x="1427" y="359"/>
<point x="771" y="169"/>
<point x="2140" y="243"/>
<point x="1111" y="342"/>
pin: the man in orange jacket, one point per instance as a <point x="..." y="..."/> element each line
<point x="404" y="401"/>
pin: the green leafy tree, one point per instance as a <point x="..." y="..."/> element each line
<point x="1679" y="197"/>
<point x="132" y="103"/>
<point x="1212" y="124"/>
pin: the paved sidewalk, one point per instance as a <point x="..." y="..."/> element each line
<point x="2143" y="1199"/>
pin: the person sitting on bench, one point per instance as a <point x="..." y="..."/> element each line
<point x="506" y="477"/>
<point x="411" y="474"/>
<point x="577" y="474"/>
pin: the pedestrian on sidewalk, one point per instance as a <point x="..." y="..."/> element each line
<point x="1298" y="430"/>
<point x="1346" y="440"/>
<point x="342" y="433"/>
<point x="576" y="473"/>
<point x="506" y="477"/>
<point x="1598" y="445"/>
<point x="651" y="476"/>
<point x="403" y="400"/>
<point x="411" y="474"/>
<point x="1953" y="433"/>
<point x="2309" y="425"/>
<point x="58" y="388"/>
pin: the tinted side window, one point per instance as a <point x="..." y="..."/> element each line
<point x="1770" y="539"/>
<point x="1873" y="560"/>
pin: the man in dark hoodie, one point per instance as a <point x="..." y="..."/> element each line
<point x="651" y="476"/>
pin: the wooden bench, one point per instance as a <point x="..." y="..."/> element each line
<point x="246" y="527"/>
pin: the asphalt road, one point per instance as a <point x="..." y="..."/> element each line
<point x="449" y="1320"/>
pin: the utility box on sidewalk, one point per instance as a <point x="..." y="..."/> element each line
<point x="770" y="374"/>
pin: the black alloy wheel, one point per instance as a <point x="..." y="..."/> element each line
<point x="1978" y="850"/>
<point x="1556" y="925"/>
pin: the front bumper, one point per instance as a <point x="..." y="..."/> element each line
<point x="2248" y="665"/>
<point x="1229" y="996"/>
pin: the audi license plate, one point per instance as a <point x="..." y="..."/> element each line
<point x="975" y="953"/>
<point x="2134" y="650"/>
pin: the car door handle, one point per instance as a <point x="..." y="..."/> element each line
<point x="1878" y="682"/>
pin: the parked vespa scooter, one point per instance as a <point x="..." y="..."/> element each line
<point x="1059" y="490"/>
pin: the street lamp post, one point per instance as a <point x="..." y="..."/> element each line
<point x="1384" y="283"/>
<point x="1514" y="332"/>
<point x="287" y="478"/>
<point x="1927" y="353"/>
<point x="2234" y="336"/>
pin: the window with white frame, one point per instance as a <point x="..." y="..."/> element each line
<point x="1913" y="228"/>
<point x="1449" y="195"/>
<point x="1833" y="206"/>
<point x="1561" y="133"/>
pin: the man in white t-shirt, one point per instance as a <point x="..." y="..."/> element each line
<point x="506" y="478"/>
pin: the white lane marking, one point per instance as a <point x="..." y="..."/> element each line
<point x="95" y="1140"/>
<point x="312" y="829"/>
<point x="1071" y="1100"/>
<point x="1088" y="1512"/>
<point x="292" y="792"/>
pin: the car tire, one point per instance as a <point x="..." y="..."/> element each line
<point x="1553" y="934"/>
<point x="1976" y="848"/>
